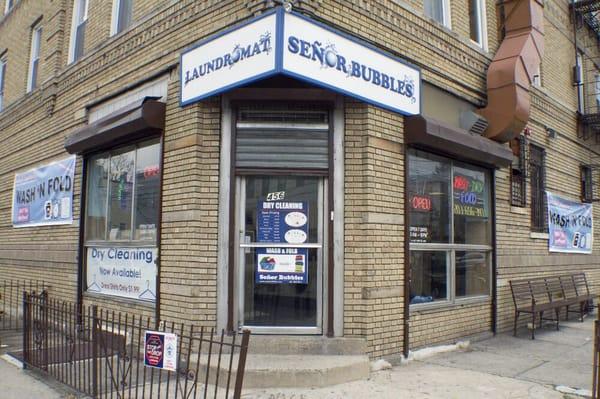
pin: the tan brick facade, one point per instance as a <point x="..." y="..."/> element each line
<point x="33" y="128"/>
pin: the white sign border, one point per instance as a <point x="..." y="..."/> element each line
<point x="43" y="224"/>
<point x="343" y="91"/>
<point x="240" y="83"/>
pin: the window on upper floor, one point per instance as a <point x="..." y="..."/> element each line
<point x="587" y="186"/>
<point x="537" y="77"/>
<point x="8" y="5"/>
<point x="438" y="10"/>
<point x="34" y="58"/>
<point x="597" y="91"/>
<point x="80" y="15"/>
<point x="2" y="74"/>
<point x="579" y="79"/>
<point x="121" y="15"/>
<point x="477" y="22"/>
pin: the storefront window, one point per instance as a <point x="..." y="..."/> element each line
<point x="471" y="206"/>
<point x="121" y="221"/>
<point x="121" y="195"/>
<point x="472" y="274"/>
<point x="123" y="189"/>
<point x="429" y="199"/>
<point x="450" y="229"/>
<point x="429" y="276"/>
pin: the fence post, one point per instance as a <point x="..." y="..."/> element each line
<point x="25" y="330"/>
<point x="95" y="323"/>
<point x="239" y="375"/>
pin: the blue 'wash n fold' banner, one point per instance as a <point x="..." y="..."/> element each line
<point x="43" y="196"/>
<point x="570" y="225"/>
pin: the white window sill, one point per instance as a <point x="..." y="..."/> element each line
<point x="439" y="305"/>
<point x="538" y="236"/>
<point x="518" y="209"/>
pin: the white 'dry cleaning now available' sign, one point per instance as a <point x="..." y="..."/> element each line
<point x="291" y="44"/>
<point x="124" y="272"/>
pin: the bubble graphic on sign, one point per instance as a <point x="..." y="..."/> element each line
<point x="296" y="219"/>
<point x="295" y="236"/>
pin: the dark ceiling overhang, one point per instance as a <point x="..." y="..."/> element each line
<point x="143" y="118"/>
<point x="430" y="133"/>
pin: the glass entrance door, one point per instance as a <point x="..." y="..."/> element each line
<point x="280" y="253"/>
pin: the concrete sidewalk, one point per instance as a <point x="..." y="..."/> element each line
<point x="16" y="383"/>
<point x="500" y="367"/>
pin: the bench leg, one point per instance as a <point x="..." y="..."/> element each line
<point x="541" y="318"/>
<point x="515" y="325"/>
<point x="533" y="325"/>
<point x="557" y="310"/>
<point x="567" y="315"/>
<point x="581" y="312"/>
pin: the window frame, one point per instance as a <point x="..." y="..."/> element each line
<point x="452" y="248"/>
<point x="75" y="25"/>
<point x="116" y="14"/>
<point x="580" y="85"/>
<point x="446" y="14"/>
<point x="135" y="146"/>
<point x="481" y="24"/>
<point x="521" y="169"/>
<point x="3" y="66"/>
<point x="587" y="183"/>
<point x="36" y="44"/>
<point x="9" y="5"/>
<point x="539" y="218"/>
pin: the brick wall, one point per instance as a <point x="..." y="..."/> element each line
<point x="33" y="128"/>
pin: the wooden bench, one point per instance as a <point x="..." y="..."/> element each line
<point x="576" y="293"/>
<point x="543" y="294"/>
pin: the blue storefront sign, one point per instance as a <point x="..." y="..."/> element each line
<point x="44" y="195"/>
<point x="570" y="225"/>
<point x="284" y="222"/>
<point x="287" y="43"/>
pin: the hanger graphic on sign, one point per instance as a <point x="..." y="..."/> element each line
<point x="147" y="294"/>
<point x="94" y="287"/>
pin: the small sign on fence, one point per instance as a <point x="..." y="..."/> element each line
<point x="160" y="350"/>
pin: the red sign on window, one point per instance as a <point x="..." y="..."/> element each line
<point x="151" y="171"/>
<point x="420" y="203"/>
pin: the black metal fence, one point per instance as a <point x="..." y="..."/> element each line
<point x="11" y="301"/>
<point x="101" y="353"/>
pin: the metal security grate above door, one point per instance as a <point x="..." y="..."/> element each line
<point x="282" y="137"/>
